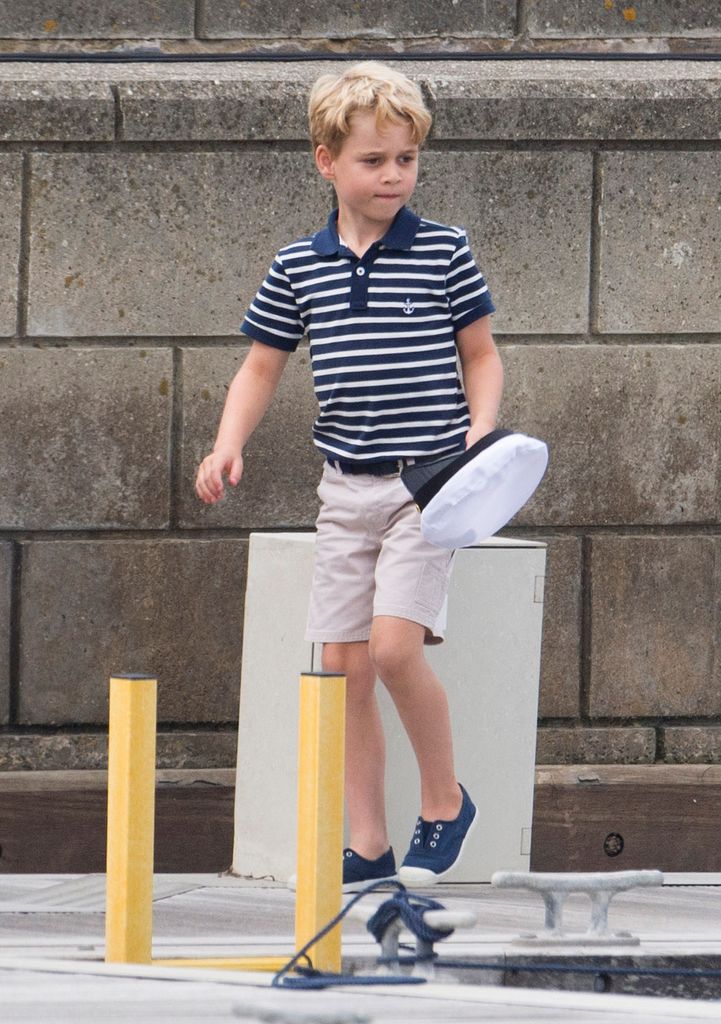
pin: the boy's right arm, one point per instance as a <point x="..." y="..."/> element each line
<point x="250" y="393"/>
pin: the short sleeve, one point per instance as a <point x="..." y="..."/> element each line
<point x="273" y="317"/>
<point x="466" y="289"/>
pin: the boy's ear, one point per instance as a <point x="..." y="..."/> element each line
<point x="325" y="163"/>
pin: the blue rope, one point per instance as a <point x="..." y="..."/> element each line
<point x="410" y="908"/>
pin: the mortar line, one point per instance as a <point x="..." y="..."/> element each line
<point x="594" y="251"/>
<point x="526" y="340"/>
<point x="14" y="639"/>
<point x="584" y="689"/>
<point x="175" y="439"/>
<point x="101" y="728"/>
<point x="541" y="532"/>
<point x="118" y="119"/>
<point x="521" y="20"/>
<point x="299" y="145"/>
<point x="199" y="19"/>
<point x="24" y="254"/>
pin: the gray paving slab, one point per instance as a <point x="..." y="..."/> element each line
<point x="52" y="945"/>
<point x="62" y="993"/>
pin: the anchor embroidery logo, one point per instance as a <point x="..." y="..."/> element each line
<point x="408" y="308"/>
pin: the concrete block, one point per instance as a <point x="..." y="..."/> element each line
<point x="691" y="744"/>
<point x="161" y="243"/>
<point x="633" y="431"/>
<point x="267" y="102"/>
<point x="5" y="609"/>
<point x="613" y="18"/>
<point x="84" y="438"/>
<point x="517" y="208"/>
<point x="226" y="19"/>
<point x="596" y="745"/>
<point x="97" y="19"/>
<point x="489" y="666"/>
<point x="10" y="199"/>
<point x="39" y="109"/>
<point x="169" y="608"/>
<point x="22" y="752"/>
<point x="561" y="645"/>
<point x="281" y="468"/>
<point x="655" y="635"/>
<point x="661" y="216"/>
<point x="548" y="100"/>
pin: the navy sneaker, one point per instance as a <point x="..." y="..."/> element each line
<point x="437" y="846"/>
<point x="358" y="871"/>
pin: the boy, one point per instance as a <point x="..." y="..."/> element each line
<point x="388" y="301"/>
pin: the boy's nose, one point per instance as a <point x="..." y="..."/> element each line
<point x="391" y="174"/>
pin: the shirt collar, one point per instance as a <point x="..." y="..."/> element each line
<point x="400" y="235"/>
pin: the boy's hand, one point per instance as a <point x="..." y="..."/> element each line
<point x="478" y="430"/>
<point x="209" y="481"/>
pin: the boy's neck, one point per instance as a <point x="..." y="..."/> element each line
<point x="359" y="234"/>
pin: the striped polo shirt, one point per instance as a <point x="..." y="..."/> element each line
<point x="382" y="331"/>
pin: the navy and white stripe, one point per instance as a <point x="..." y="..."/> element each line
<point x="382" y="331"/>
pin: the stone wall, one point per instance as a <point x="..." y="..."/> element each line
<point x="140" y="206"/>
<point x="207" y="26"/>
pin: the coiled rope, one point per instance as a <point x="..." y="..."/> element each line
<point x="402" y="904"/>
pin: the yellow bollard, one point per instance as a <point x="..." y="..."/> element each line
<point x="131" y="820"/>
<point x="321" y="755"/>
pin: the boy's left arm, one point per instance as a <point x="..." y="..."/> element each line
<point x="482" y="376"/>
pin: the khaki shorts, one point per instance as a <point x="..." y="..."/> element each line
<point x="370" y="559"/>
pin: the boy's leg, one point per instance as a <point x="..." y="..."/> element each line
<point x="364" y="748"/>
<point x="447" y="812"/>
<point x="396" y="652"/>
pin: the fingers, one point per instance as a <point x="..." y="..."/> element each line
<point x="209" y="481"/>
<point x="208" y="484"/>
<point x="236" y="471"/>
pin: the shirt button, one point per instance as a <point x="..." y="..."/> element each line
<point x="360" y="271"/>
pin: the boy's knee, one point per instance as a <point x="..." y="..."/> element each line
<point x="392" y="660"/>
<point x="353" y="662"/>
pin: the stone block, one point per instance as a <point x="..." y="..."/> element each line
<point x="691" y="744"/>
<point x="161" y="243"/>
<point x="84" y="438"/>
<point x="10" y="199"/>
<point x="615" y="18"/>
<point x="172" y="609"/>
<point x="263" y="19"/>
<point x="595" y="745"/>
<point x="38" y="109"/>
<point x="97" y="19"/>
<point x="281" y="468"/>
<point x="660" y="258"/>
<point x="547" y="100"/>
<point x="5" y="611"/>
<point x="561" y="643"/>
<point x="655" y="627"/>
<point x="21" y="752"/>
<point x="634" y="431"/>
<point x="517" y="208"/>
<point x="267" y="102"/>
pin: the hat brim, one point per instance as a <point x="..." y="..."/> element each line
<point x="485" y="492"/>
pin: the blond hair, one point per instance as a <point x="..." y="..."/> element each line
<point x="371" y="86"/>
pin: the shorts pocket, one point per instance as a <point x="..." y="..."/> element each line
<point x="432" y="587"/>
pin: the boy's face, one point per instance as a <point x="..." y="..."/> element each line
<point x="374" y="173"/>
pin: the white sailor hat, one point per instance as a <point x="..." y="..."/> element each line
<point x="464" y="499"/>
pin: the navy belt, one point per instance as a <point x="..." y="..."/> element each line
<point x="390" y="467"/>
